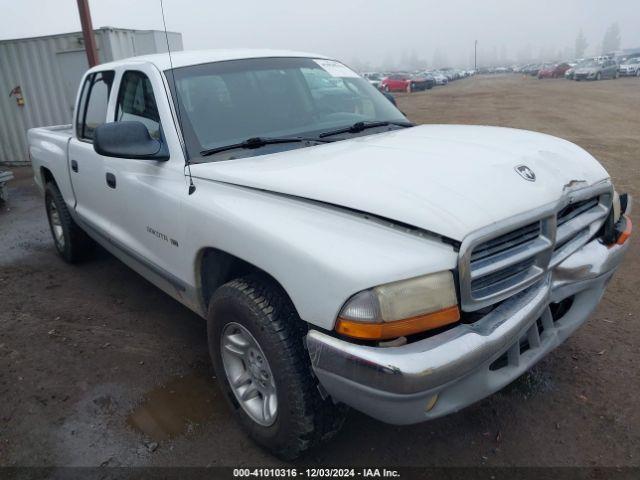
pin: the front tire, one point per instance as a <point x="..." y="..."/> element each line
<point x="256" y="345"/>
<point x="71" y="242"/>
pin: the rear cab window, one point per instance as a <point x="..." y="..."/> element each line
<point x="92" y="107"/>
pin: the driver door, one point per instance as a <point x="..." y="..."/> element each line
<point x="150" y="226"/>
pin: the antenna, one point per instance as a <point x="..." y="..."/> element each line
<point x="192" y="187"/>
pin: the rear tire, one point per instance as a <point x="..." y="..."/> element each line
<point x="71" y="242"/>
<point x="301" y="418"/>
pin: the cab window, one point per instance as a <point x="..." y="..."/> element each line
<point x="137" y="103"/>
<point x="92" y="108"/>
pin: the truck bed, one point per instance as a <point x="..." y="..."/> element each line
<point x="48" y="149"/>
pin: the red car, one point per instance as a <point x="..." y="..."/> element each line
<point x="406" y="83"/>
<point x="553" y="71"/>
<point x="396" y="83"/>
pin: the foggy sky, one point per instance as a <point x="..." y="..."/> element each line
<point x="366" y="34"/>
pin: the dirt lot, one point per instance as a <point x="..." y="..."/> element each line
<point x="82" y="347"/>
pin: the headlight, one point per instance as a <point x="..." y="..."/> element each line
<point x="400" y="308"/>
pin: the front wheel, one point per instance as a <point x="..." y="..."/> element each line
<point x="256" y="345"/>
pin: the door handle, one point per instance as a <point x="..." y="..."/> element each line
<point x="111" y="180"/>
<point x="74" y="166"/>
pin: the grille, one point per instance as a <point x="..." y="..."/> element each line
<point x="508" y="259"/>
<point x="575" y="225"/>
<point x="574" y="209"/>
<point x="502" y="277"/>
<point x="503" y="261"/>
<point x="505" y="242"/>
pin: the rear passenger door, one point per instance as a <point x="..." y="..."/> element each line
<point x="87" y="169"/>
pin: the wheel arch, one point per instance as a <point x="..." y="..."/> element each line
<point x="47" y="176"/>
<point x="215" y="267"/>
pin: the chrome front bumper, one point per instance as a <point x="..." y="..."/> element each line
<point x="444" y="373"/>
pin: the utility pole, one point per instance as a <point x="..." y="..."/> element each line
<point x="475" y="56"/>
<point x="87" y="33"/>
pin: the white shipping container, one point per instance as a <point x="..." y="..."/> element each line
<point x="47" y="71"/>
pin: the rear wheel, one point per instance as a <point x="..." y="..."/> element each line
<point x="256" y="345"/>
<point x="71" y="242"/>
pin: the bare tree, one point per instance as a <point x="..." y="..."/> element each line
<point x="611" y="40"/>
<point x="581" y="44"/>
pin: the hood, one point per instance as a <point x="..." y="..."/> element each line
<point x="448" y="179"/>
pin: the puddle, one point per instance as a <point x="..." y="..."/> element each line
<point x="172" y="409"/>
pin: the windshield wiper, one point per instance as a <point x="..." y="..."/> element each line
<point x="361" y="126"/>
<point x="258" y="142"/>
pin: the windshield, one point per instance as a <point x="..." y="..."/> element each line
<point x="631" y="61"/>
<point x="589" y="63"/>
<point x="224" y="103"/>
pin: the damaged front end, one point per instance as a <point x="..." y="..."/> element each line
<point x="433" y="375"/>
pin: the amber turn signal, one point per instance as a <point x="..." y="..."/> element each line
<point x="398" y="328"/>
<point x="624" y="236"/>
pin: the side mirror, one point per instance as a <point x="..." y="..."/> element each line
<point x="128" y="140"/>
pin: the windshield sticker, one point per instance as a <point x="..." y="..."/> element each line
<point x="336" y="69"/>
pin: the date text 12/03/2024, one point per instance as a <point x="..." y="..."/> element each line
<point x="316" y="472"/>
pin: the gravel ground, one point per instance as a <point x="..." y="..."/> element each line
<point x="98" y="367"/>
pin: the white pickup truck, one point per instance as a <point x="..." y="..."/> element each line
<point x="339" y="254"/>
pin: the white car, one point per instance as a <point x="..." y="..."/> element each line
<point x="374" y="78"/>
<point x="339" y="254"/>
<point x="440" y="78"/>
<point x="630" y="67"/>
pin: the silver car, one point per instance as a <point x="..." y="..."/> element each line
<point x="594" y="70"/>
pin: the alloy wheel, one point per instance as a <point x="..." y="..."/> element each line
<point x="56" y="224"/>
<point x="249" y="374"/>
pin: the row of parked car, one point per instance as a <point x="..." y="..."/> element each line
<point x="414" y="81"/>
<point x="597" y="68"/>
